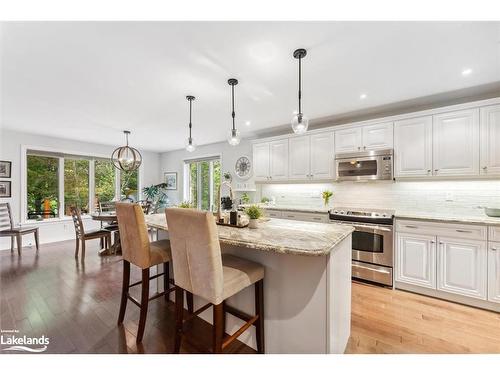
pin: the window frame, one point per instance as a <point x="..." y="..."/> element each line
<point x="187" y="178"/>
<point x="61" y="154"/>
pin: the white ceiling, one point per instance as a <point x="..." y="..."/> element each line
<point x="89" y="81"/>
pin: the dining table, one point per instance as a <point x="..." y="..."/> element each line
<point x="108" y="217"/>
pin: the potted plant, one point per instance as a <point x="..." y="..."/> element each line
<point x="157" y="195"/>
<point x="185" y="204"/>
<point x="326" y="195"/>
<point x="245" y="198"/>
<point x="254" y="213"/>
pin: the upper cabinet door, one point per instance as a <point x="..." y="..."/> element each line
<point x="413" y="147"/>
<point x="322" y="156"/>
<point x="462" y="267"/>
<point x="456" y="143"/>
<point x="261" y="161"/>
<point x="278" y="160"/>
<point x="416" y="259"/>
<point x="348" y="140"/>
<point x="494" y="272"/>
<point x="299" y="158"/>
<point x="490" y="140"/>
<point x="378" y="136"/>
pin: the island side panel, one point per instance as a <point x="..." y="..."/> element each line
<point x="339" y="296"/>
<point x="295" y="305"/>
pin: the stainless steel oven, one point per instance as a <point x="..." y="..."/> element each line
<point x="372" y="243"/>
<point x="366" y="165"/>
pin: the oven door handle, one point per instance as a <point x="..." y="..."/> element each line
<point x="382" y="229"/>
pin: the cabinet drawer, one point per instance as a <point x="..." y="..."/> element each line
<point x="466" y="231"/>
<point x="273" y="213"/>
<point x="304" y="216"/>
<point x="494" y="234"/>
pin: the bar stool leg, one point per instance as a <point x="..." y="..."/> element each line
<point x="179" y="311"/>
<point x="259" y="310"/>
<point x="77" y="247"/>
<point x="125" y="284"/>
<point x="218" y="332"/>
<point x="37" y="241"/>
<point x="166" y="280"/>
<point x="190" y="303"/>
<point x="144" y="304"/>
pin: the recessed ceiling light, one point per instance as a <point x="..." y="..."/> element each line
<point x="363" y="96"/>
<point x="248" y="123"/>
<point x="466" y="72"/>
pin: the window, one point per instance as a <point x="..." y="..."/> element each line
<point x="129" y="185"/>
<point x="43" y="187"/>
<point x="76" y="185"/>
<point x="56" y="181"/>
<point x="202" y="178"/>
<point x="105" y="181"/>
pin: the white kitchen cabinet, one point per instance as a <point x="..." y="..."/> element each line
<point x="413" y="147"/>
<point x="348" y="140"/>
<point x="462" y="267"/>
<point x="299" y="158"/>
<point x="261" y="161"/>
<point x="278" y="160"/>
<point x="322" y="156"/>
<point x="490" y="140"/>
<point x="377" y="136"/>
<point x="456" y="143"/>
<point x="416" y="259"/>
<point x="311" y="157"/>
<point x="494" y="272"/>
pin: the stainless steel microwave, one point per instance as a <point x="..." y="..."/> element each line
<point x="366" y="165"/>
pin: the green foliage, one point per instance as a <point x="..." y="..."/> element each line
<point x="327" y="194"/>
<point x="157" y="195"/>
<point x="245" y="198"/>
<point x="204" y="194"/>
<point x="253" y="212"/>
<point x="265" y="200"/>
<point x="104" y="180"/>
<point x="129" y="181"/>
<point x="43" y="175"/>
<point x="185" y="204"/>
<point x="76" y="185"/>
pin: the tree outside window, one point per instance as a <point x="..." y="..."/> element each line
<point x="104" y="181"/>
<point x="43" y="187"/>
<point x="129" y="185"/>
<point x="76" y="185"/>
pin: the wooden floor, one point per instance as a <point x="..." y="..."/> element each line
<point x="76" y="306"/>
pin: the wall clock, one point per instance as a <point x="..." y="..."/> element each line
<point x="242" y="167"/>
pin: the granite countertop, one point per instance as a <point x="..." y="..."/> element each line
<point x="456" y="218"/>
<point x="278" y="235"/>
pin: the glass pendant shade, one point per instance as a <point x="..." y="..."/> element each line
<point x="126" y="158"/>
<point x="234" y="137"/>
<point x="190" y="145"/>
<point x="300" y="123"/>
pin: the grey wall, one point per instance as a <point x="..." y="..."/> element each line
<point x="173" y="161"/>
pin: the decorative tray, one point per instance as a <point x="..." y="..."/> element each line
<point x="233" y="226"/>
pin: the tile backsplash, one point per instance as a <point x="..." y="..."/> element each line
<point x="445" y="197"/>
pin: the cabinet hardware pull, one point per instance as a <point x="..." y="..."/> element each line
<point x="485" y="167"/>
<point x="429" y="171"/>
<point x="364" y="147"/>
<point x="411" y="226"/>
<point x="435" y="170"/>
<point x="463" y="231"/>
<point x="494" y="249"/>
<point x="441" y="243"/>
<point x="432" y="241"/>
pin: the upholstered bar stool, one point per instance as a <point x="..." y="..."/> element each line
<point x="137" y="249"/>
<point x="200" y="269"/>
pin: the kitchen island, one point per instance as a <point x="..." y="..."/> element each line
<point x="307" y="284"/>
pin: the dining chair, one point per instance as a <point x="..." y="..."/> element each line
<point x="82" y="235"/>
<point x="7" y="229"/>
<point x="200" y="268"/>
<point x="139" y="251"/>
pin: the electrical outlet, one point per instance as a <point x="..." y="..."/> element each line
<point x="450" y="197"/>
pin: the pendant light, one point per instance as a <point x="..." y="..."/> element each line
<point x="126" y="158"/>
<point x="300" y="123"/>
<point x="234" y="135"/>
<point x="190" y="145"/>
